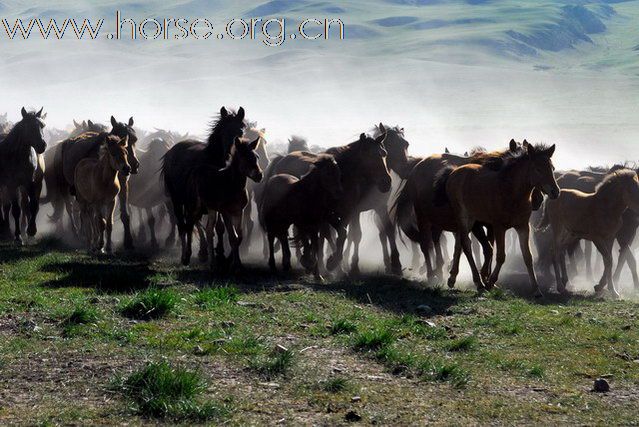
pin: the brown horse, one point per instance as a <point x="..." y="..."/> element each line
<point x="306" y="203"/>
<point x="19" y="152"/>
<point x="597" y="217"/>
<point x="423" y="221"/>
<point x="221" y="193"/>
<point x="502" y="199"/>
<point x="363" y="168"/>
<point x="184" y="157"/>
<point x="97" y="184"/>
<point x="73" y="150"/>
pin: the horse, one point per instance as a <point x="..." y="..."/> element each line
<point x="221" y="193"/>
<point x="55" y="194"/>
<point x="19" y="152"/>
<point x="423" y="221"/>
<point x="597" y="217"/>
<point x="502" y="199"/>
<point x="377" y="201"/>
<point x="97" y="184"/>
<point x="147" y="193"/>
<point x="363" y="168"/>
<point x="71" y="151"/>
<point x="307" y="203"/>
<point x="184" y="157"/>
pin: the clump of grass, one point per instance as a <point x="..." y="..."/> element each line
<point x="444" y="372"/>
<point x="335" y="385"/>
<point x="373" y="340"/>
<point x="396" y="360"/>
<point x="161" y="391"/>
<point x="511" y="328"/>
<point x="150" y="304"/>
<point x="535" y="372"/>
<point x="462" y="344"/>
<point x="273" y="365"/>
<point x="213" y="297"/>
<point x="342" y="326"/>
<point x="80" y="315"/>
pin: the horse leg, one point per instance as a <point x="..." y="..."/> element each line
<point x="334" y="261"/>
<point x="564" y="277"/>
<point x="234" y="228"/>
<point x="476" y="249"/>
<point x="524" y="244"/>
<point x="109" y="227"/>
<point x="468" y="252"/>
<point x="219" y="249"/>
<point x="315" y="245"/>
<point x="270" y="237"/>
<point x="16" y="211"/>
<point x="605" y="248"/>
<point x="500" y="236"/>
<point x="415" y="260"/>
<point x="487" y="249"/>
<point x="396" y="265"/>
<point x="141" y="236"/>
<point x="286" y="251"/>
<point x="425" y="241"/>
<point x="382" y="239"/>
<point x="555" y="264"/>
<point x="436" y="238"/>
<point x="356" y="234"/>
<point x="170" y="239"/>
<point x="624" y="249"/>
<point x="101" y="223"/>
<point x="210" y="237"/>
<point x="124" y="212"/>
<point x="203" y="252"/>
<point x="151" y="224"/>
<point x="454" y="267"/>
<point x="24" y="206"/>
<point x="247" y="224"/>
<point x="35" y="190"/>
<point x="632" y="264"/>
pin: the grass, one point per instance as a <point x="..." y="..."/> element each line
<point x="150" y="304"/>
<point x="73" y="320"/>
<point x="161" y="391"/>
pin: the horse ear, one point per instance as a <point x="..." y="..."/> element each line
<point x="240" y="114"/>
<point x="113" y="121"/>
<point x="446" y="151"/>
<point x="76" y="124"/>
<point x="253" y="145"/>
<point x="465" y="153"/>
<point x="44" y="116"/>
<point x="525" y="143"/>
<point x="223" y="112"/>
<point x="551" y="151"/>
<point x="131" y="121"/>
<point x="530" y="148"/>
<point x="39" y="113"/>
<point x="382" y="128"/>
<point x="24" y="112"/>
<point x="380" y="139"/>
<point x="90" y="123"/>
<point x="512" y="145"/>
<point x="362" y="137"/>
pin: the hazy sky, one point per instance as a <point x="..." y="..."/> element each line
<point x="452" y="74"/>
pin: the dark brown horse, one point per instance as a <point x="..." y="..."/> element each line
<point x="502" y="199"/>
<point x="363" y="168"/>
<point x="221" y="193"/>
<point x="19" y="152"/>
<point x="72" y="151"/>
<point x="306" y="203"/>
<point x="423" y="221"/>
<point x="184" y="157"/>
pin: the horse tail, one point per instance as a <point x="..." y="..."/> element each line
<point x="402" y="212"/>
<point x="440" y="196"/>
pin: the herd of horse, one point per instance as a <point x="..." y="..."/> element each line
<point x="312" y="199"/>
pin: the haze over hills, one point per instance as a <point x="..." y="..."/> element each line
<point x="454" y="73"/>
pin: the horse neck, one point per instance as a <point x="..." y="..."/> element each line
<point x="12" y="144"/>
<point x="106" y="172"/>
<point x="231" y="174"/>
<point x="308" y="183"/>
<point x="517" y="181"/>
<point x="612" y="201"/>
<point x="217" y="150"/>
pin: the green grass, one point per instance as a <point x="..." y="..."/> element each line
<point x="162" y="391"/>
<point x="501" y="358"/>
<point x="150" y="304"/>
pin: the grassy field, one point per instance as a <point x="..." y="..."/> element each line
<point x="108" y="341"/>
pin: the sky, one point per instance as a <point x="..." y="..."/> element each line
<point x="453" y="73"/>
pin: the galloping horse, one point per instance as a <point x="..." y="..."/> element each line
<point x="73" y="150"/>
<point x="597" y="217"/>
<point x="502" y="199"/>
<point x="97" y="184"/>
<point x="19" y="152"/>
<point x="184" y="157"/>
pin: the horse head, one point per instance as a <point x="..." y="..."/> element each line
<point x="125" y="130"/>
<point x="372" y="155"/>
<point x="30" y="130"/>
<point x="397" y="148"/>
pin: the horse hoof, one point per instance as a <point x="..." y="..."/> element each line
<point x="18" y="241"/>
<point x="538" y="294"/>
<point x="32" y="231"/>
<point x="186" y="261"/>
<point x="355" y="272"/>
<point x="451" y="282"/>
<point x="203" y="257"/>
<point x="614" y="294"/>
<point x="599" y="289"/>
<point x="332" y="263"/>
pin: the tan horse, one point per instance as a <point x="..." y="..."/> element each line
<point x="97" y="184"/>
<point x="596" y="217"/>
<point x="502" y="199"/>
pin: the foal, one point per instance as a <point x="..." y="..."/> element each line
<point x="97" y="184"/>
<point x="221" y="192"/>
<point x="307" y="203"/>
<point x="597" y="217"/>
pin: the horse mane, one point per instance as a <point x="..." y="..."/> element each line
<point x="378" y="132"/>
<point x="615" y="178"/>
<point x="8" y="145"/>
<point x="514" y="159"/>
<point x="218" y="124"/>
